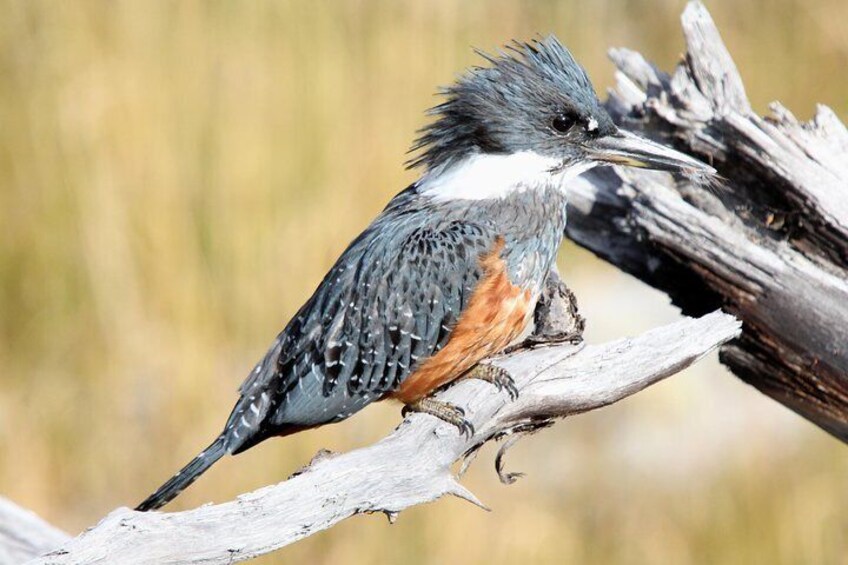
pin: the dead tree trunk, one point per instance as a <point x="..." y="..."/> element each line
<point x="771" y="246"/>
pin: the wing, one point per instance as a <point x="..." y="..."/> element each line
<point x="413" y="309"/>
<point x="388" y="305"/>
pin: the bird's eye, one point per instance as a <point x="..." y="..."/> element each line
<point x="562" y="123"/>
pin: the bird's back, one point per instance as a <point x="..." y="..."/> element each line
<point x="389" y="304"/>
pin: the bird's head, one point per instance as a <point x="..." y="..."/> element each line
<point x="534" y="104"/>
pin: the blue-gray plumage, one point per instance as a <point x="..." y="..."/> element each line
<point x="512" y="106"/>
<point x="450" y="272"/>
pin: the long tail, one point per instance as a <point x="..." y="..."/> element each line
<point x="185" y="476"/>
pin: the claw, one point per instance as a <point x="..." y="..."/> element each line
<point x="466" y="429"/>
<point x="512" y="390"/>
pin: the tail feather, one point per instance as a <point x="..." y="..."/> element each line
<point x="185" y="476"/>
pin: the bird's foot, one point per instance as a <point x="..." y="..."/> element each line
<point x="574" y="337"/>
<point x="444" y="411"/>
<point x="495" y="375"/>
<point x="557" y="319"/>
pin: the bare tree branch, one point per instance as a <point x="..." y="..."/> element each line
<point x="412" y="465"/>
<point x="772" y="247"/>
<point x="24" y="535"/>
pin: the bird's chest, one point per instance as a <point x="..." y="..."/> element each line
<point x="532" y="224"/>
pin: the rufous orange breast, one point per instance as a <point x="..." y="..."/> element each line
<point x="497" y="314"/>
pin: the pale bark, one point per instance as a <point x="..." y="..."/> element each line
<point x="24" y="535"/>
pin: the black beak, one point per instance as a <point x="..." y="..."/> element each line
<point x="624" y="148"/>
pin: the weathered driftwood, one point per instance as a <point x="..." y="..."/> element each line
<point x="771" y="246"/>
<point x="24" y="535"/>
<point x="411" y="466"/>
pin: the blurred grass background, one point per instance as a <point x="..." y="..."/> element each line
<point x="175" y="178"/>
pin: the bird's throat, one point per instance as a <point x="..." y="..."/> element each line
<point x="482" y="176"/>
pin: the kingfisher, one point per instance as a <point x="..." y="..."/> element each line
<point x="449" y="273"/>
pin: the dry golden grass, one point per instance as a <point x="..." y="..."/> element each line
<point x="175" y="178"/>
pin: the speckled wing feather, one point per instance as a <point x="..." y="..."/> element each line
<point x="388" y="304"/>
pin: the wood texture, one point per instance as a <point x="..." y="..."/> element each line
<point x="413" y="465"/>
<point x="771" y="246"/>
<point x="24" y="535"/>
